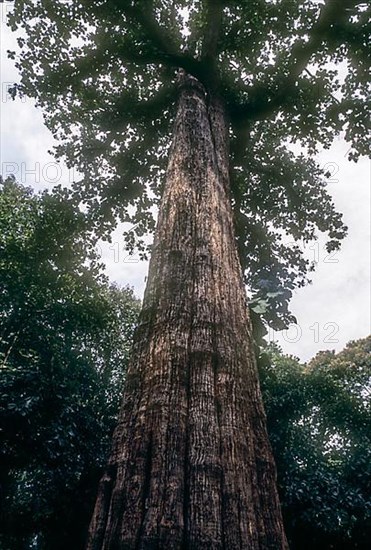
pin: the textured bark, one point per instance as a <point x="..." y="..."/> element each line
<point x="191" y="466"/>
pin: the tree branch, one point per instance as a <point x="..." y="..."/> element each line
<point x="164" y="50"/>
<point x="214" y="11"/>
<point x="157" y="47"/>
<point x="262" y="101"/>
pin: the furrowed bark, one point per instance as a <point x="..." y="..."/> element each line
<point x="191" y="466"/>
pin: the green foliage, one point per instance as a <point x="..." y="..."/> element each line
<point x="319" y="421"/>
<point x="65" y="337"/>
<point x="105" y="73"/>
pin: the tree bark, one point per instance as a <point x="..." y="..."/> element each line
<point x="191" y="465"/>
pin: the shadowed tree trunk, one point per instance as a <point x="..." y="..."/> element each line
<point x="191" y="466"/>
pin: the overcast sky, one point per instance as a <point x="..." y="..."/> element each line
<point x="334" y="309"/>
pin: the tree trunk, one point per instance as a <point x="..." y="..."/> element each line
<point x="191" y="465"/>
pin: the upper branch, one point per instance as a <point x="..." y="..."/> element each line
<point x="164" y="50"/>
<point x="157" y="47"/>
<point x="214" y="12"/>
<point x="262" y="101"/>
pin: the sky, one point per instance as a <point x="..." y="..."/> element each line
<point x="334" y="309"/>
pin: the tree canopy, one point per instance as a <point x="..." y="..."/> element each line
<point x="65" y="337"/>
<point x="289" y="72"/>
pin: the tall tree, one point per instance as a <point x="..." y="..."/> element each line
<point x="191" y="465"/>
